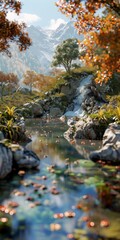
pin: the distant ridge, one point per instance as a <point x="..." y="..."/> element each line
<point x="38" y="57"/>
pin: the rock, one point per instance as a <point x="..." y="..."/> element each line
<point x="6" y="162"/>
<point x="1" y="136"/>
<point x="32" y="109"/>
<point x="26" y="159"/>
<point x="112" y="134"/>
<point x="16" y="156"/>
<point x="21" y="124"/>
<point x="37" y="109"/>
<point x="55" y="112"/>
<point x="84" y="128"/>
<point x="66" y="89"/>
<point x="25" y="90"/>
<point x="110" y="151"/>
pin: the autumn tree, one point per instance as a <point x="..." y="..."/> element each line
<point x="39" y="82"/>
<point x="65" y="53"/>
<point x="11" y="31"/>
<point x="101" y="31"/>
<point x="30" y="79"/>
<point x="55" y="72"/>
<point x="7" y="82"/>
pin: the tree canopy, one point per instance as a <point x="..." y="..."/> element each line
<point x="101" y="31"/>
<point x="12" y="31"/>
<point x="9" y="81"/>
<point x="65" y="53"/>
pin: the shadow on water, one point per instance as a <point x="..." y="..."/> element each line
<point x="85" y="194"/>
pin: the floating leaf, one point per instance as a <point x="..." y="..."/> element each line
<point x="69" y="214"/>
<point x="55" y="227"/>
<point x="104" y="223"/>
<point x="58" y="215"/>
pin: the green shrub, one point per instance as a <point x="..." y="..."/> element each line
<point x="109" y="113"/>
<point x="8" y="123"/>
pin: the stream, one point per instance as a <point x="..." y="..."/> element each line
<point x="67" y="197"/>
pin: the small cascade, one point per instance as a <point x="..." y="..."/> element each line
<point x="82" y="91"/>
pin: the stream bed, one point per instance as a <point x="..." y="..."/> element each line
<point x="67" y="197"/>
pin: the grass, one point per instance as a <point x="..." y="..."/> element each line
<point x="109" y="112"/>
<point x="85" y="69"/>
<point x="17" y="100"/>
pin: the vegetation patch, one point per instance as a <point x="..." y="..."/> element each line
<point x="108" y="112"/>
<point x="8" y="123"/>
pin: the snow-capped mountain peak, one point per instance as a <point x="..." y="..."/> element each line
<point x="39" y="56"/>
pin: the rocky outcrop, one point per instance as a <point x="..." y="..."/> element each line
<point x="6" y="161"/>
<point x="55" y="112"/>
<point x="52" y="105"/>
<point x="110" y="151"/>
<point x="56" y="101"/>
<point x="88" y="100"/>
<point x="16" y="156"/>
<point x="84" y="128"/>
<point x="32" y="109"/>
<point x="24" y="158"/>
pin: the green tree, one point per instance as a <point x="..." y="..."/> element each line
<point x="65" y="53"/>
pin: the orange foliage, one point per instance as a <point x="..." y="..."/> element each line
<point x="9" y="81"/>
<point x="38" y="81"/>
<point x="9" y="78"/>
<point x="102" y="33"/>
<point x="11" y="31"/>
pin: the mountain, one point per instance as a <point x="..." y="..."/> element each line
<point x="39" y="56"/>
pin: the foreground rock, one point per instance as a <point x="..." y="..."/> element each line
<point x="16" y="156"/>
<point x="6" y="161"/>
<point x="24" y="158"/>
<point x="110" y="151"/>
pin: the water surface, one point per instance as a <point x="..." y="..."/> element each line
<point x="66" y="182"/>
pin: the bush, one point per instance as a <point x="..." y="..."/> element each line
<point x="8" y="123"/>
<point x="109" y="113"/>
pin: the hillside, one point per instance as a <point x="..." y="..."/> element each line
<point x="38" y="57"/>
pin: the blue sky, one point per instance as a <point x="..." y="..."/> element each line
<point x="40" y="12"/>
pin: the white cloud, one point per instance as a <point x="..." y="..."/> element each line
<point x="54" y="24"/>
<point x="23" y="17"/>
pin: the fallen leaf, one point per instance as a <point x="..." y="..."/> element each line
<point x="55" y="226"/>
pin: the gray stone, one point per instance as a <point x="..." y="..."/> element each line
<point x="5" y="161"/>
<point x="37" y="110"/>
<point x="16" y="156"/>
<point x="26" y="159"/>
<point x="55" y="112"/>
<point x="1" y="136"/>
<point x="110" y="151"/>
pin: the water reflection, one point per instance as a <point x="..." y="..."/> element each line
<point x="48" y="138"/>
<point x="88" y="190"/>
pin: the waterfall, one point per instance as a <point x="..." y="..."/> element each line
<point x="82" y="91"/>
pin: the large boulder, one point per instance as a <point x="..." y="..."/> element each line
<point x="34" y="108"/>
<point x="110" y="151"/>
<point x="24" y="158"/>
<point x="13" y="155"/>
<point x="84" y="128"/>
<point x="55" y="112"/>
<point x="6" y="162"/>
